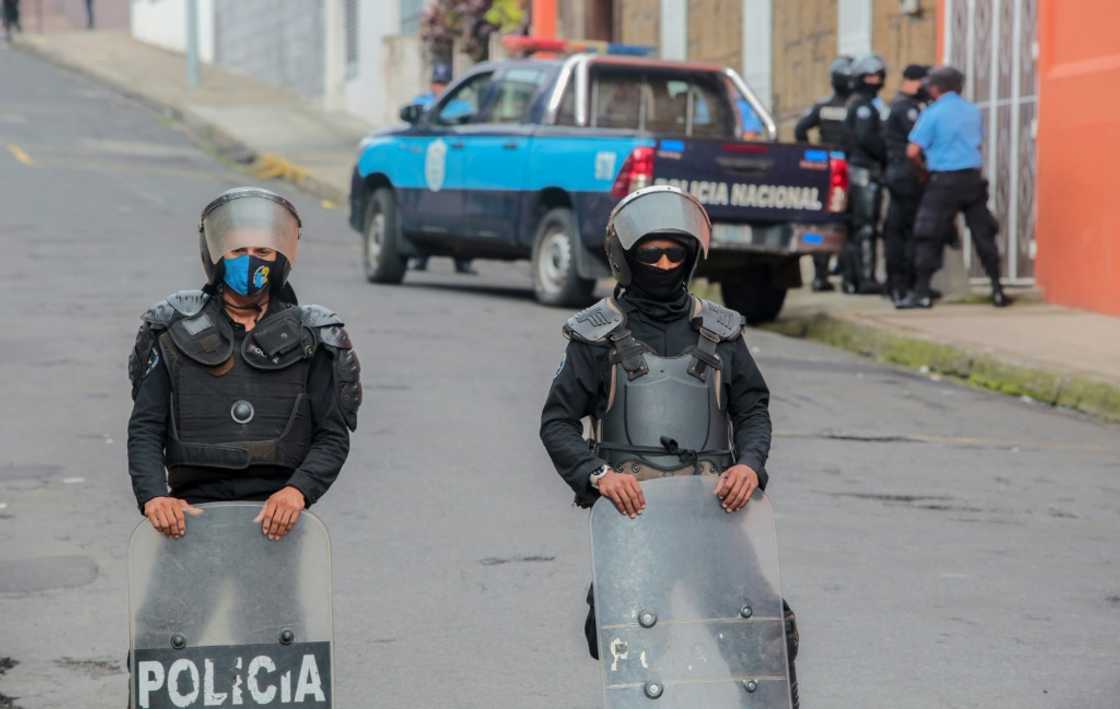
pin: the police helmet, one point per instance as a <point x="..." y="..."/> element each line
<point x="661" y="210"/>
<point x="840" y="71"/>
<point x="245" y="217"/>
<point x="441" y="73"/>
<point x="869" y="65"/>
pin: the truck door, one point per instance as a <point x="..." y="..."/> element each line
<point x="438" y="207"/>
<point x="497" y="153"/>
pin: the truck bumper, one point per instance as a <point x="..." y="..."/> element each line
<point x="789" y="239"/>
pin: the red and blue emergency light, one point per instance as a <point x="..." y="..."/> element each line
<point x="526" y="45"/>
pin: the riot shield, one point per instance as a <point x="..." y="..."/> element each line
<point x="225" y="617"/>
<point x="688" y="601"/>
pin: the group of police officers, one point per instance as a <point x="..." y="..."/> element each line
<point x="241" y="393"/>
<point x="924" y="149"/>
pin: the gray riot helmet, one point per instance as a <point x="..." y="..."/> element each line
<point x="869" y="65"/>
<point x="246" y="217"/>
<point x="840" y="73"/>
<point x="656" y="211"/>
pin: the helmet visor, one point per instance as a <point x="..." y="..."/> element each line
<point x="248" y="222"/>
<point x="661" y="211"/>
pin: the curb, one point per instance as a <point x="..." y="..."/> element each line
<point x="1056" y="388"/>
<point x="206" y="135"/>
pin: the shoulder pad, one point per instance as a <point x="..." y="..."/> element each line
<point x="318" y="316"/>
<point x="594" y="324"/>
<point x="725" y="323"/>
<point x="181" y="304"/>
<point x="327" y="324"/>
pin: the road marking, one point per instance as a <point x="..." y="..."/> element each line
<point x="19" y="154"/>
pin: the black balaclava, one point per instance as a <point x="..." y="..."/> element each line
<point x="661" y="294"/>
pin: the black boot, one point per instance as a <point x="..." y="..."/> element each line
<point x="1000" y="299"/>
<point x="821" y="285"/>
<point x="914" y="300"/>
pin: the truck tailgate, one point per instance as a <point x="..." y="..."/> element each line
<point x="741" y="181"/>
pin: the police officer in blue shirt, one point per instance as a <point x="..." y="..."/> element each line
<point x="948" y="135"/>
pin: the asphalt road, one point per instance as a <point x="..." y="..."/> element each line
<point x="943" y="547"/>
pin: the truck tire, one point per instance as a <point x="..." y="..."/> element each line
<point x="755" y="296"/>
<point x="382" y="234"/>
<point x="555" y="280"/>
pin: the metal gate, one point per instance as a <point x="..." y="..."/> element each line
<point x="994" y="43"/>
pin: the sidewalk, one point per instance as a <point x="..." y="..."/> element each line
<point x="1056" y="355"/>
<point x="277" y="131"/>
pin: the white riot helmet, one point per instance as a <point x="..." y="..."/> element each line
<point x="661" y="210"/>
<point x="245" y="217"/>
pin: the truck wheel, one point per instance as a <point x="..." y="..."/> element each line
<point x="382" y="234"/>
<point x="555" y="281"/>
<point x="755" y="296"/>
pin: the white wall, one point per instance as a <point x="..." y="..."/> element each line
<point x="757" y="47"/>
<point x="853" y="32"/>
<point x="674" y="29"/>
<point x="381" y="66"/>
<point x="164" y="24"/>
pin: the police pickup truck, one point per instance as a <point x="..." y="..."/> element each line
<point x="524" y="159"/>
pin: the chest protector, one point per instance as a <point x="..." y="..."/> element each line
<point x="833" y="125"/>
<point x="665" y="415"/>
<point x="237" y="403"/>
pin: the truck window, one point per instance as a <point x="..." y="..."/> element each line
<point x="670" y="103"/>
<point x="513" y="95"/>
<point x="616" y="100"/>
<point x="461" y="106"/>
<point x="566" y="112"/>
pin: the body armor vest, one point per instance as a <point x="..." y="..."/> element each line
<point x="237" y="403"/>
<point x="833" y="121"/>
<point x="665" y="415"/>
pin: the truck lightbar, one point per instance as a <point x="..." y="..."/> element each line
<point x="525" y="46"/>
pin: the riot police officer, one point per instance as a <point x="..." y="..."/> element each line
<point x="828" y="116"/>
<point x="239" y="392"/>
<point x="867" y="154"/>
<point x="666" y="378"/>
<point x="903" y="180"/>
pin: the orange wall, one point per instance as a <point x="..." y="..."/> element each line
<point x="1078" y="199"/>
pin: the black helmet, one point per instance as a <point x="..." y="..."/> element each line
<point x="244" y="217"/>
<point x="840" y="71"/>
<point x="867" y="66"/>
<point x="656" y="211"/>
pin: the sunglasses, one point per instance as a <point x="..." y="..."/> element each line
<point x="650" y="255"/>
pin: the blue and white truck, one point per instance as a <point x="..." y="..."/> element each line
<point x="524" y="159"/>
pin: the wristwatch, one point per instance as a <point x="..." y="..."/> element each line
<point x="597" y="475"/>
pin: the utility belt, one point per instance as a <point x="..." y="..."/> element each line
<point x="639" y="463"/>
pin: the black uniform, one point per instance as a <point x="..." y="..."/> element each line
<point x="613" y="340"/>
<point x="867" y="155"/>
<point x="904" y="182"/>
<point x="233" y="415"/>
<point x="582" y="388"/>
<point x="829" y="116"/>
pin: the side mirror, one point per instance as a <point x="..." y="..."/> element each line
<point x="411" y="113"/>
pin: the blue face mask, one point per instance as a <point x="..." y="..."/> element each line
<point x="247" y="274"/>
